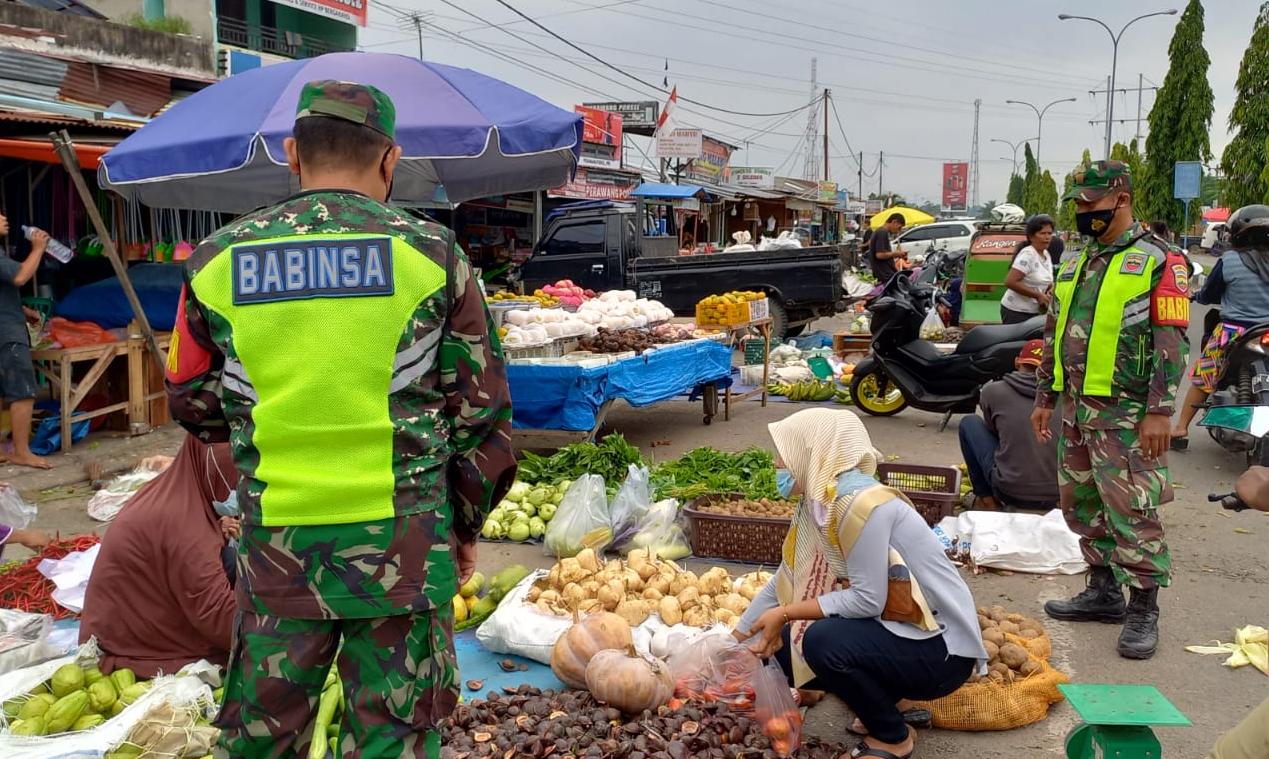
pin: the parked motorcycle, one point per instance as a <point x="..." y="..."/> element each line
<point x="904" y="370"/>
<point x="1236" y="414"/>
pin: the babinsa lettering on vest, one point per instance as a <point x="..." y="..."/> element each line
<point x="316" y="268"/>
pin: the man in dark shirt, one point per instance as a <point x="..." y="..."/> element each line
<point x="880" y="257"/>
<point x="17" y="376"/>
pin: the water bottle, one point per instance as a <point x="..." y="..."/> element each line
<point x="55" y="249"/>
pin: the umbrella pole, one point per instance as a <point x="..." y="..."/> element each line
<point x="66" y="152"/>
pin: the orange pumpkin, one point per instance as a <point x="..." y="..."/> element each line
<point x="588" y="636"/>
<point x="629" y="682"/>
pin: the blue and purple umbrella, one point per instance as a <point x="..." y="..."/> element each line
<point x="464" y="135"/>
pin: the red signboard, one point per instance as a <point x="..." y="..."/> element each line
<point x="590" y="184"/>
<point x="955" y="185"/>
<point x="601" y="137"/>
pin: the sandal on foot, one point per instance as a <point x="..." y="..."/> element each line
<point x="1180" y="444"/>
<point x="863" y="749"/>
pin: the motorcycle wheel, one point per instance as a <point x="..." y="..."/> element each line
<point x="865" y="391"/>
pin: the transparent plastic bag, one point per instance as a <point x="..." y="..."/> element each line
<point x="583" y="520"/>
<point x="15" y="512"/>
<point x="716" y="668"/>
<point x="775" y="709"/>
<point x="932" y="327"/>
<point x="661" y="533"/>
<point x="630" y="505"/>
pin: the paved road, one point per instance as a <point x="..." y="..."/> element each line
<point x="1220" y="581"/>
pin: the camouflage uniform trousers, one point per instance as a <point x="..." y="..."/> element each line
<point x="399" y="673"/>
<point x="1110" y="495"/>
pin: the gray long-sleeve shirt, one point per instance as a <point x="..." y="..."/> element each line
<point x="896" y="524"/>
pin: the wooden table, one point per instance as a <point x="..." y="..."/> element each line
<point x="736" y="333"/>
<point x="58" y="365"/>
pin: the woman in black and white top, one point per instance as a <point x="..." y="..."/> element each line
<point x="1030" y="275"/>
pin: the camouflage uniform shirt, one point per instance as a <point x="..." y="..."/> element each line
<point x="451" y="453"/>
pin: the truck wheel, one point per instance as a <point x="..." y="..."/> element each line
<point x="795" y="330"/>
<point x="779" y="320"/>
<point x="866" y="392"/>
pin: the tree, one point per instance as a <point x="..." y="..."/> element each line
<point x="1130" y="155"/>
<point x="1065" y="218"/>
<point x="1015" y="190"/>
<point x="1244" y="157"/>
<point x="1212" y="189"/>
<point x="1179" y="121"/>
<point x="1045" y="196"/>
<point x="1030" y="179"/>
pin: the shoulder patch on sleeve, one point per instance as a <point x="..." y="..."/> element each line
<point x="186" y="359"/>
<point x="1170" y="301"/>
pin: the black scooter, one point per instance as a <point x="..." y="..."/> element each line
<point x="1237" y="413"/>
<point x="904" y="370"/>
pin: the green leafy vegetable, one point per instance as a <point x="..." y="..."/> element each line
<point x="610" y="458"/>
<point x="703" y="471"/>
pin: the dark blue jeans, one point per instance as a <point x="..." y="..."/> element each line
<point x="871" y="669"/>
<point x="978" y="447"/>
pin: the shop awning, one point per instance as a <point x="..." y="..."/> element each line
<point x="1216" y="214"/>
<point x="673" y="191"/>
<point x="42" y="151"/>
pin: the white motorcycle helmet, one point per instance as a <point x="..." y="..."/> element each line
<point x="1008" y="213"/>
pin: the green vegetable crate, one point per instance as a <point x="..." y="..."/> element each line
<point x="752" y="540"/>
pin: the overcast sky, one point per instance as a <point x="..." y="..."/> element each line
<point x="903" y="74"/>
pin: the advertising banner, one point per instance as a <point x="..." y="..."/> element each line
<point x="595" y="184"/>
<point x="754" y="177"/>
<point x="684" y="144"/>
<point x="348" y="11"/>
<point x="638" y="118"/>
<point x="601" y="137"/>
<point x="955" y="186"/>
<point x="713" y="161"/>
<point x="827" y="192"/>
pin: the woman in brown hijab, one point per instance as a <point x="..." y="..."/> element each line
<point x="159" y="597"/>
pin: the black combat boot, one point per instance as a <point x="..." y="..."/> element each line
<point x="1101" y="601"/>
<point x="1140" y="637"/>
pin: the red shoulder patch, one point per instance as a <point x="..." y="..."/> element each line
<point x="1170" y="301"/>
<point x="186" y="359"/>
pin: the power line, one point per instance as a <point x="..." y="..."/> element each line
<point x="606" y="64"/>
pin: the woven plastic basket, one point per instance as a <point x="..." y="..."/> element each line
<point x="753" y="540"/>
<point x="934" y="490"/>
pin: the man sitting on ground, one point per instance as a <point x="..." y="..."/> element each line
<point x="1007" y="465"/>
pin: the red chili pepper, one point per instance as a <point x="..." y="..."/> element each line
<point x="25" y="589"/>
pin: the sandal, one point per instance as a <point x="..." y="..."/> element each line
<point x="863" y="749"/>
<point x="921" y="718"/>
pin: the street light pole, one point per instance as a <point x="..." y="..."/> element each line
<point x="1114" y="60"/>
<point x="1039" y="113"/>
<point x="1014" y="147"/>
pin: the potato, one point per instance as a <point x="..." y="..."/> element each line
<point x="1031" y="667"/>
<point x="996" y="677"/>
<point x="998" y="613"/>
<point x="993" y="651"/>
<point x="652" y="594"/>
<point x="670" y="611"/>
<point x="1014" y="617"/>
<point x="995" y="636"/>
<point x="1010" y="676"/>
<point x="983" y="611"/>
<point x="1031" y="624"/>
<point x="1028" y="633"/>
<point x="999" y="666"/>
<point x="1009" y="628"/>
<point x="985" y="623"/>
<point x="1014" y="655"/>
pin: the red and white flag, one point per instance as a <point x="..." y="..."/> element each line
<point x="664" y="121"/>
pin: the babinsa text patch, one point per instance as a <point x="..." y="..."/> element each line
<point x="312" y="268"/>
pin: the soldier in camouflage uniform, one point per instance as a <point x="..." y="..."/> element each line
<point x="1115" y="352"/>
<point x="364" y="393"/>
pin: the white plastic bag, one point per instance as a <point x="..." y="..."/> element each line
<point x="106" y="503"/>
<point x="24" y="639"/>
<point x="932" y="326"/>
<point x="630" y="506"/>
<point x="1017" y="542"/>
<point x="516" y="627"/>
<point x="583" y="519"/>
<point x="661" y="533"/>
<point x="14" y="510"/>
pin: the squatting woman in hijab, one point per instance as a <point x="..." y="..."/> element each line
<point x="904" y="628"/>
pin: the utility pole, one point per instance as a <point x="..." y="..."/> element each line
<point x="1141" y="90"/>
<point x="973" y="159"/>
<point x="861" y="174"/>
<point x="416" y="20"/>
<point x="810" y="168"/>
<point x="881" y="172"/>
<point x="824" y="105"/>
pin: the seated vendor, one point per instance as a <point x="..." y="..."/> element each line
<point x="159" y="596"/>
<point x="905" y="628"/>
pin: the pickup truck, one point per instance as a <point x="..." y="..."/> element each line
<point x="601" y="246"/>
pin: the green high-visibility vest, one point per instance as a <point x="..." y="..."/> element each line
<point x="1128" y="278"/>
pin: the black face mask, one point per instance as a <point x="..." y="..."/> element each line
<point x="1095" y="223"/>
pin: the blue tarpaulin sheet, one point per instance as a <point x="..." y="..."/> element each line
<point x="570" y="397"/>
<point x="103" y="303"/>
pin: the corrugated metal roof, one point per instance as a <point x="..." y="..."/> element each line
<point x="22" y="66"/>
<point x="27" y="89"/>
<point x="142" y="92"/>
<point x="31" y="117"/>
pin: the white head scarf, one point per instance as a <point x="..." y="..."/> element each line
<point x="817" y="445"/>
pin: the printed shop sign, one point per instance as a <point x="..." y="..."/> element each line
<point x="348" y="11"/>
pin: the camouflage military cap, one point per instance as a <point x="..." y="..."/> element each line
<point x="1092" y="182"/>
<point x="359" y="103"/>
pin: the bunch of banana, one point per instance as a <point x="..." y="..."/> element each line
<point x="806" y="390"/>
<point x="843" y="396"/>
